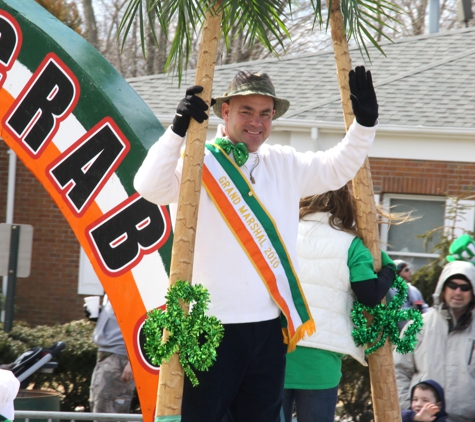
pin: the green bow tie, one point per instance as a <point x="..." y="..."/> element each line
<point x="239" y="150"/>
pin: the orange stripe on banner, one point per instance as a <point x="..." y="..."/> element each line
<point x="244" y="237"/>
<point x="122" y="291"/>
<point x="6" y="100"/>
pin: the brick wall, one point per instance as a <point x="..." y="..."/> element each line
<point x="421" y="177"/>
<point x="49" y="294"/>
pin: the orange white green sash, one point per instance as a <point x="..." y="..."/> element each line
<point x="257" y="233"/>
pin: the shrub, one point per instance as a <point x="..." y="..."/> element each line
<point x="76" y="362"/>
<point x="354" y="393"/>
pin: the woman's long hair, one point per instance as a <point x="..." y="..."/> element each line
<point x="340" y="204"/>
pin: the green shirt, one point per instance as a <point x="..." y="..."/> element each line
<point x="308" y="368"/>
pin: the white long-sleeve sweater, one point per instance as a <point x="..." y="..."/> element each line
<point x="282" y="176"/>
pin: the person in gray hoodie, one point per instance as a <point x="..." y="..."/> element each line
<point x="112" y="383"/>
<point x="445" y="347"/>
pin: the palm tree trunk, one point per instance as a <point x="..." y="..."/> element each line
<point x="381" y="365"/>
<point x="170" y="384"/>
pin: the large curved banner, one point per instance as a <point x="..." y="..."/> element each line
<point x="83" y="132"/>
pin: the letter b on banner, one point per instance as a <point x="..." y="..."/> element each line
<point x="121" y="238"/>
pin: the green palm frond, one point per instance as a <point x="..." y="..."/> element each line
<point x="257" y="19"/>
<point x="318" y="16"/>
<point x="261" y="20"/>
<point x="190" y="16"/>
<point x="361" y="16"/>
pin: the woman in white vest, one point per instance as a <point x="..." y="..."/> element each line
<point x="335" y="267"/>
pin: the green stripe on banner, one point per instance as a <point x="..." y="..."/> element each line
<point x="268" y="225"/>
<point x="174" y="418"/>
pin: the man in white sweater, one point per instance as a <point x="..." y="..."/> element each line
<point x="245" y="252"/>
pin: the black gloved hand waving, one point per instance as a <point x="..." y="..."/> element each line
<point x="363" y="97"/>
<point x="190" y="106"/>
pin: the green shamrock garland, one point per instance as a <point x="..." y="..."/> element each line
<point x="195" y="337"/>
<point x="386" y="317"/>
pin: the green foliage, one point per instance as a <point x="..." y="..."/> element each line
<point x="354" y="392"/>
<point x="256" y="20"/>
<point x="10" y="349"/>
<point x="76" y="362"/>
<point x="261" y="21"/>
<point x="360" y="17"/>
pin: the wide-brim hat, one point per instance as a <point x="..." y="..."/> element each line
<point x="247" y="83"/>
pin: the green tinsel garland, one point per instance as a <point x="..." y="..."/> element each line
<point x="385" y="322"/>
<point x="195" y="337"/>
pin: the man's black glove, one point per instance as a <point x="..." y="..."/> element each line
<point x="363" y="97"/>
<point x="190" y="106"/>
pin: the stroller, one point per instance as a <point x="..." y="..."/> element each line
<point x="33" y="360"/>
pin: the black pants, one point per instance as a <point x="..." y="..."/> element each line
<point x="247" y="378"/>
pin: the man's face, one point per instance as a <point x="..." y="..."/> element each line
<point x="248" y="119"/>
<point x="421" y="397"/>
<point x="406" y="274"/>
<point x="454" y="296"/>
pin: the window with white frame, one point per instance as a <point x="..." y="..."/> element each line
<point x="402" y="242"/>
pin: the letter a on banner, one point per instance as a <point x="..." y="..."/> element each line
<point x="83" y="132"/>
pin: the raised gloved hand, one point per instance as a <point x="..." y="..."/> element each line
<point x="363" y="97"/>
<point x="190" y="106"/>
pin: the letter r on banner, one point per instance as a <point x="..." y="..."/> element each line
<point x="49" y="97"/>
